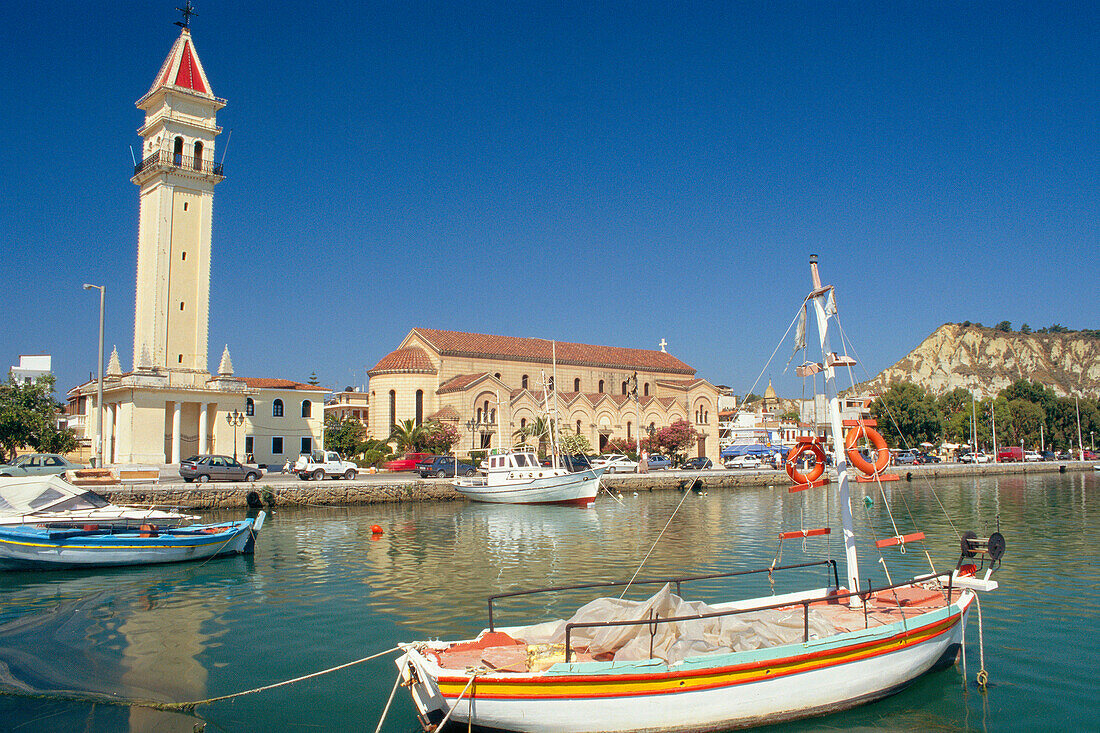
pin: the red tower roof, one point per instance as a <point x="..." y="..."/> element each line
<point x="182" y="68"/>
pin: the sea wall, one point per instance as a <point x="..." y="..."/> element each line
<point x="368" y="491"/>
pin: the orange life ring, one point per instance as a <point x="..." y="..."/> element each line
<point x="819" y="465"/>
<point x="882" y="457"/>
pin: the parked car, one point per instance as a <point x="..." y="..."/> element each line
<point x="443" y="467"/>
<point x="978" y="457"/>
<point x="699" y="463"/>
<point x="407" y="462"/>
<point x="1049" y="455"/>
<point x="745" y="461"/>
<point x="38" y="464"/>
<point x="928" y="458"/>
<point x="575" y="463"/>
<point x="905" y="458"/>
<point x="217" y="468"/>
<point x="322" y="464"/>
<point x="1090" y="455"/>
<point x="615" y="463"/>
<point x="657" y="461"/>
<point x="1010" y="454"/>
<point x="1032" y="455"/>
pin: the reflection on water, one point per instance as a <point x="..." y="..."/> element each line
<point x="322" y="590"/>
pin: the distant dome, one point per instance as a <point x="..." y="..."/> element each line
<point x="409" y="359"/>
<point x="769" y="393"/>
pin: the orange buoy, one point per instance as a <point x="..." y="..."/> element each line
<point x="811" y="445"/>
<point x="375" y="529"/>
<point x="882" y="453"/>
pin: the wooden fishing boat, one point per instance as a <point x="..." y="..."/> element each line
<point x="45" y="547"/>
<point x="54" y="501"/>
<point x="515" y="477"/>
<point x="665" y="664"/>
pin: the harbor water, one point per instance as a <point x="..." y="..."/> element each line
<point x="321" y="590"/>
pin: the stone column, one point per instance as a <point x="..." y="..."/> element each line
<point x="109" y="433"/>
<point x="177" y="416"/>
<point x="203" y="426"/>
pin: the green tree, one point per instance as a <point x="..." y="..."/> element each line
<point x="573" y="444"/>
<point x="1004" y="326"/>
<point x="1025" y="328"/>
<point x="407" y="436"/>
<point x="539" y="429"/>
<point x="313" y="379"/>
<point x="1024" y="419"/>
<point x="28" y="417"/>
<point x="345" y="436"/>
<point x="914" y="412"/>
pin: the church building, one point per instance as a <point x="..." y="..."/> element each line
<point x="491" y="386"/>
<point x="170" y="406"/>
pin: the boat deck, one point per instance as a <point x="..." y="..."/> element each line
<point x="499" y="652"/>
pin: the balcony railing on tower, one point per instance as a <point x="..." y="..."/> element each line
<point x="178" y="160"/>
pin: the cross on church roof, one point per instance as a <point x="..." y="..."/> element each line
<point x="187" y="11"/>
<point x="663" y="344"/>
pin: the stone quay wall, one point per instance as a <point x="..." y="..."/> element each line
<point x="366" y="491"/>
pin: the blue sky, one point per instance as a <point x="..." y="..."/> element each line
<point x="610" y="173"/>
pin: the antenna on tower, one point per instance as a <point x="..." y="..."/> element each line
<point x="226" y="148"/>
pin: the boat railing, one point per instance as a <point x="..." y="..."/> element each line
<point x="660" y="581"/>
<point x="831" y="597"/>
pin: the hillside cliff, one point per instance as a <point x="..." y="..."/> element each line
<point x="985" y="361"/>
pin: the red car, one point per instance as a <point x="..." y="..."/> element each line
<point x="408" y="463"/>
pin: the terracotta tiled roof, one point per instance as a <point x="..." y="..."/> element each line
<point x="447" y="412"/>
<point x="408" y="359"/>
<point x="458" y="343"/>
<point x="460" y="382"/>
<point x="269" y="383"/>
<point x="618" y="399"/>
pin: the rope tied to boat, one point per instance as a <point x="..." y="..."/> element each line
<point x="186" y="707"/>
<point x="983" y="675"/>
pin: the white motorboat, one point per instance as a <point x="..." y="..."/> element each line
<point x="51" y="500"/>
<point x="516" y="477"/>
<point x="669" y="665"/>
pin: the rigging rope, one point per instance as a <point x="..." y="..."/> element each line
<point x="661" y="534"/>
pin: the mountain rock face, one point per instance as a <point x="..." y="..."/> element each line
<point x="985" y="361"/>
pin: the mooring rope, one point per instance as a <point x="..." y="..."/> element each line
<point x="654" y="545"/>
<point x="183" y="707"/>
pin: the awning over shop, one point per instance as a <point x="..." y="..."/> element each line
<point x="753" y="449"/>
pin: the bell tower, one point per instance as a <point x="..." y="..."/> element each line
<point x="176" y="179"/>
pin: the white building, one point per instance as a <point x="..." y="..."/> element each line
<point x="31" y="367"/>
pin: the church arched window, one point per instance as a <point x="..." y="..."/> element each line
<point x="523" y="382"/>
<point x="277" y="408"/>
<point x="419" y="406"/>
<point x="577" y="384"/>
<point x="307" y="408"/>
<point x="198" y="155"/>
<point x="601" y="387"/>
<point x="177" y="152"/>
<point x="249" y="407"/>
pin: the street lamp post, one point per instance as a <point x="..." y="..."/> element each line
<point x="235" y="420"/>
<point x="99" y="388"/>
<point x="470" y="424"/>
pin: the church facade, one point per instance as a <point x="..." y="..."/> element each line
<point x="170" y="406"/>
<point x="491" y="386"/>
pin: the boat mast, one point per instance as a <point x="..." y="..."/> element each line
<point x="821" y="297"/>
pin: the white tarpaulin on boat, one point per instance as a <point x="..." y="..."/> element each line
<point x="20" y="496"/>
<point x="673" y="642"/>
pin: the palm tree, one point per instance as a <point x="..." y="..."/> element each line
<point x="538" y="428"/>
<point x="407" y="435"/>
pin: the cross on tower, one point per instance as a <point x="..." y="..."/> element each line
<point x="187" y="11"/>
<point x="663" y="344"/>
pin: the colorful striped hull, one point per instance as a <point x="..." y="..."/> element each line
<point x="706" y="693"/>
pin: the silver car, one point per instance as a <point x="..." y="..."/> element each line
<point x="217" y="468"/>
<point x="38" y="464"/>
